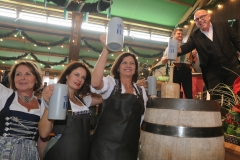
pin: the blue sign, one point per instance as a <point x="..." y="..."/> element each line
<point x="171" y="48"/>
<point x="119" y="29"/>
<point x="65" y="103"/>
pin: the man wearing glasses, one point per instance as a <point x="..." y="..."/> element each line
<point x="213" y="42"/>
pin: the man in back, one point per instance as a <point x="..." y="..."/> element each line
<point x="182" y="66"/>
<point x="213" y="42"/>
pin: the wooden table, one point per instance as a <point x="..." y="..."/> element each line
<point x="232" y="151"/>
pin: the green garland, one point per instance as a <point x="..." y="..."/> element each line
<point x="13" y="58"/>
<point x="91" y="47"/>
<point x="160" y="54"/>
<point x="91" y="66"/>
<point x="51" y="44"/>
<point x="48" y="63"/>
<point x="8" y="34"/>
<point x="212" y="5"/>
<point x="35" y="58"/>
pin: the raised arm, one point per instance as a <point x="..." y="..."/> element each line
<point x="98" y="71"/>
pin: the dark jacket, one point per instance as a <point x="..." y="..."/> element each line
<point x="226" y="36"/>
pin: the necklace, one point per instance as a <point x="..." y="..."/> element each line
<point x="26" y="99"/>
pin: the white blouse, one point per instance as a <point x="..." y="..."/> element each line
<point x="16" y="106"/>
<point x="87" y="100"/>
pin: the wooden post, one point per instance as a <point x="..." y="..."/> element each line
<point x="75" y="39"/>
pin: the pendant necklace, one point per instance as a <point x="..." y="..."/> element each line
<point x="26" y="99"/>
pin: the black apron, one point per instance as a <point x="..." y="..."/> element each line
<point x="75" y="139"/>
<point x="117" y="133"/>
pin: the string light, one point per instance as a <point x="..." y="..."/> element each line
<point x="209" y="11"/>
<point x="220" y="6"/>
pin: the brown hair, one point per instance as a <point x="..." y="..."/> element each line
<point x="177" y="29"/>
<point x="85" y="89"/>
<point x="118" y="61"/>
<point x="36" y="71"/>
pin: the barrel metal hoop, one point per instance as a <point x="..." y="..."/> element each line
<point x="180" y="131"/>
<point x="183" y="104"/>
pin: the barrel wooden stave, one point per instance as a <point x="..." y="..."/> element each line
<point x="175" y="148"/>
<point x="164" y="147"/>
<point x="170" y="90"/>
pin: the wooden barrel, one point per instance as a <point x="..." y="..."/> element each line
<point x="182" y="129"/>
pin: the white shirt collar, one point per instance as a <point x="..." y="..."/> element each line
<point x="209" y="34"/>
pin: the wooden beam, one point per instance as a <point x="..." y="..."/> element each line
<point x="182" y="3"/>
<point x="75" y="39"/>
<point x="191" y="10"/>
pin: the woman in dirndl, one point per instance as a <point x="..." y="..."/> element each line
<point x="117" y="133"/>
<point x="72" y="135"/>
<point x="20" y="112"/>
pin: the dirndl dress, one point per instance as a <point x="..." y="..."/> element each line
<point x="18" y="134"/>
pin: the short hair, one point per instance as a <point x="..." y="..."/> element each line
<point x="36" y="71"/>
<point x="118" y="61"/>
<point x="85" y="89"/>
<point x="177" y="29"/>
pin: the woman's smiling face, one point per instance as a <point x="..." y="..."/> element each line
<point x="127" y="66"/>
<point x="24" y="79"/>
<point x="76" y="78"/>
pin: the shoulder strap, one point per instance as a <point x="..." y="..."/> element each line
<point x="4" y="111"/>
<point x="9" y="100"/>
<point x="117" y="86"/>
<point x="140" y="90"/>
<point x="39" y="101"/>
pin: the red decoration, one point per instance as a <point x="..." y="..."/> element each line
<point x="236" y="86"/>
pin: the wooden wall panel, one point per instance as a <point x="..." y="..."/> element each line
<point x="230" y="10"/>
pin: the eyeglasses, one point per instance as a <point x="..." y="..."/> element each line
<point x="201" y="17"/>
